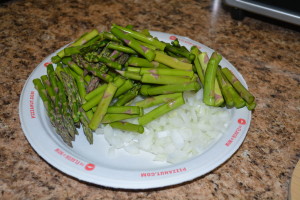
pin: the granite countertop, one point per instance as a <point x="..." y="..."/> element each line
<point x="265" y="52"/>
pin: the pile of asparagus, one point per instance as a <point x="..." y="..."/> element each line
<point x="97" y="78"/>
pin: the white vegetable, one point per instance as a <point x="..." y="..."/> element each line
<point x="180" y="134"/>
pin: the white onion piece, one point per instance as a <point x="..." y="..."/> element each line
<point x="178" y="135"/>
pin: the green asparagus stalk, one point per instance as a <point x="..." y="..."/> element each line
<point x="238" y="101"/>
<point x="85" y="38"/>
<point x="121" y="48"/>
<point x="108" y="62"/>
<point x="244" y="93"/>
<point x="130" y="110"/>
<point x="96" y="92"/>
<point x="139" y="62"/>
<point x="210" y="80"/>
<point x="102" y="106"/>
<point x="131" y="42"/>
<point x="159" y="65"/>
<point x="110" y="36"/>
<point x="224" y="85"/>
<point x="48" y="87"/>
<point x="161" y="110"/>
<point x="128" y="84"/>
<point x="126" y="126"/>
<point x="164" y="79"/>
<point x="139" y="36"/>
<point x="197" y="64"/>
<point x="85" y="125"/>
<point x="55" y="59"/>
<point x="115" y="54"/>
<point x="171" y="62"/>
<point x="68" y="61"/>
<point x="91" y="45"/>
<point x="92" y="83"/>
<point x="144" y="90"/>
<point x="89" y="114"/>
<point x="167" y="89"/>
<point x="94" y="98"/>
<point x="251" y="106"/>
<point x="54" y="118"/>
<point x="109" y="118"/>
<point x="81" y="40"/>
<point x="156" y="100"/>
<point x="203" y="60"/>
<point x="163" y="71"/>
<point x="190" y="56"/>
<point x="43" y="94"/>
<point x="96" y="69"/>
<point x="134" y="69"/>
<point x="129" y="96"/>
<point x="130" y="75"/>
<point x="71" y="91"/>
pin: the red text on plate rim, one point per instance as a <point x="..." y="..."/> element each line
<point x="237" y="131"/>
<point x="88" y="167"/>
<point x="31" y="105"/>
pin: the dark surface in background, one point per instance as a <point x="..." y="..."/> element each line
<point x="291" y="5"/>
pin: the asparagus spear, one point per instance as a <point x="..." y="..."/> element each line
<point x="164" y="79"/>
<point x="102" y="106"/>
<point x="245" y="94"/>
<point x="128" y="84"/>
<point x="133" y="69"/>
<point x="167" y="89"/>
<point x="155" y="100"/>
<point x="68" y="61"/>
<point x="110" y="36"/>
<point x="131" y="42"/>
<point x="94" y="97"/>
<point x="161" y="110"/>
<point x="210" y="79"/>
<point x="142" y="37"/>
<point x="238" y="101"/>
<point x="92" y="83"/>
<point x="81" y="40"/>
<point x="130" y="95"/>
<point x="109" y="118"/>
<point x="224" y="85"/>
<point x="139" y="62"/>
<point x="107" y="62"/>
<point x="164" y="71"/>
<point x="54" y="119"/>
<point x="121" y="48"/>
<point x="197" y="64"/>
<point x="130" y="110"/>
<point x="126" y="126"/>
<point x="130" y="75"/>
<point x="96" y="69"/>
<point x="190" y="56"/>
<point x="171" y="62"/>
<point x="96" y="92"/>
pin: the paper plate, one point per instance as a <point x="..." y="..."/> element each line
<point x="92" y="163"/>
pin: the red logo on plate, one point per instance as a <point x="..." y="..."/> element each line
<point x="242" y="121"/>
<point x="172" y="37"/>
<point x="89" y="167"/>
<point x="47" y="63"/>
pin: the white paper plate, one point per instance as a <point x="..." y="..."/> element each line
<point x="92" y="163"/>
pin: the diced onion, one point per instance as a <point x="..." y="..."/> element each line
<point x="178" y="135"/>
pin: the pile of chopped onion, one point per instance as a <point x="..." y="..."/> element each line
<point x="180" y="134"/>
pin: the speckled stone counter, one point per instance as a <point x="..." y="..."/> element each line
<point x="265" y="52"/>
